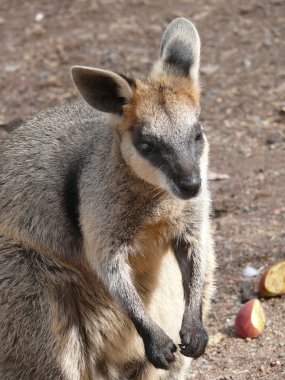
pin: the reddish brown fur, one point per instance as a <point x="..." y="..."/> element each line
<point x="160" y="91"/>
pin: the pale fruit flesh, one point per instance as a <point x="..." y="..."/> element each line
<point x="272" y="282"/>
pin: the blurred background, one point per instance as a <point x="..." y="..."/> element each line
<point x="243" y="111"/>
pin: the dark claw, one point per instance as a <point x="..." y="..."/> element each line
<point x="194" y="340"/>
<point x="169" y="357"/>
<point x="159" y="349"/>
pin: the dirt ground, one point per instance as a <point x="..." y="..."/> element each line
<point x="243" y="76"/>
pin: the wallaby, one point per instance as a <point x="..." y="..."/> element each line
<point x="106" y="252"/>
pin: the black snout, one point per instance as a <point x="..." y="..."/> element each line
<point x="188" y="186"/>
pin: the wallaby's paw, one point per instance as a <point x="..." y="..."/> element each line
<point x="159" y="349"/>
<point x="194" y="339"/>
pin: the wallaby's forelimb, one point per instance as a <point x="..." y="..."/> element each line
<point x="116" y="274"/>
<point x="193" y="334"/>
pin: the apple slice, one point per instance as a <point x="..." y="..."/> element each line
<point x="250" y="320"/>
<point x="272" y="282"/>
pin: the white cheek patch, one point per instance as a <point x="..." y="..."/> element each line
<point x="142" y="167"/>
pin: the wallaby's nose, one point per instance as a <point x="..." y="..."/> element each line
<point x="189" y="185"/>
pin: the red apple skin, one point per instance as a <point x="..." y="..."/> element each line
<point x="262" y="292"/>
<point x="243" y="324"/>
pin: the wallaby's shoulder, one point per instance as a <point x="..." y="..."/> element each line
<point x="51" y="143"/>
<point x="64" y="123"/>
<point x="40" y="170"/>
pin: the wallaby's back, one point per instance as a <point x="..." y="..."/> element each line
<point x="40" y="168"/>
<point x="46" y="299"/>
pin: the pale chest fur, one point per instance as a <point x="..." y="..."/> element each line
<point x="152" y="242"/>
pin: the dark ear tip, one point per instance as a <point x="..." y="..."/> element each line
<point x="80" y="72"/>
<point x="75" y="71"/>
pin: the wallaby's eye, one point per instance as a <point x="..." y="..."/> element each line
<point x="146" y="147"/>
<point x="198" y="132"/>
<point x="199" y="136"/>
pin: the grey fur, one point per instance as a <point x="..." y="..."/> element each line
<point x="180" y="49"/>
<point x="87" y="268"/>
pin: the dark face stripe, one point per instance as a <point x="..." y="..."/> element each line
<point x="173" y="161"/>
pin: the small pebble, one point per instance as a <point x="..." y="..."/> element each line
<point x="262" y="369"/>
<point x="250" y="271"/>
<point x="275" y="363"/>
<point x="267" y="42"/>
<point x="247" y="64"/>
<point x="39" y="17"/>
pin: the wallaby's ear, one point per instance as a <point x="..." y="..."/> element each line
<point x="180" y="50"/>
<point x="104" y="90"/>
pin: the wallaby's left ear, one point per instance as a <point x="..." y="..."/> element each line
<point x="104" y="90"/>
<point x="180" y="50"/>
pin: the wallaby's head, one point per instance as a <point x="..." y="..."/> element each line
<point x="157" y="120"/>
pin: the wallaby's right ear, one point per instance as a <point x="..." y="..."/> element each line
<point x="104" y="90"/>
<point x="180" y="50"/>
